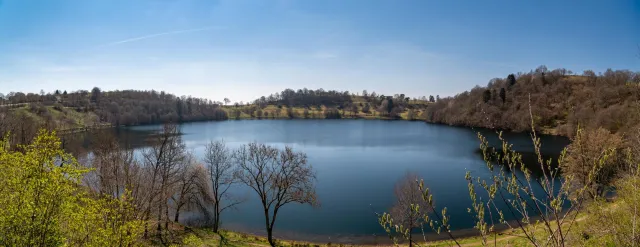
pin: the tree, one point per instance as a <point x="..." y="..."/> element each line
<point x="389" y="105"/>
<point x="409" y="207"/>
<point x="290" y="112"/>
<point x="486" y="95"/>
<point x="411" y="115"/>
<point x="306" y="113"/>
<point x="226" y="101"/>
<point x="616" y="223"/>
<point x="354" y="109"/>
<point x="186" y="192"/>
<point x="503" y="95"/>
<point x="278" y="177"/>
<point x="589" y="150"/>
<point x="43" y="203"/>
<point x="57" y="92"/>
<point x="432" y="99"/>
<point x="162" y="160"/>
<point x="64" y="93"/>
<point x="95" y="94"/>
<point x="220" y="170"/>
<point x="511" y="79"/>
<point x="332" y="113"/>
<point x="366" y="108"/>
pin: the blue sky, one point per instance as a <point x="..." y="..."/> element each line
<point x="243" y="49"/>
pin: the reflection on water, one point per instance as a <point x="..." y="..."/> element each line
<point x="357" y="163"/>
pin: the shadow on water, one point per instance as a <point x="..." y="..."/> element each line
<point x="81" y="143"/>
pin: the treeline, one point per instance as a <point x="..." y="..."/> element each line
<point x="306" y="98"/>
<point x="128" y="107"/>
<point x="338" y="104"/>
<point x="24" y="114"/>
<point x="132" y="107"/>
<point x="559" y="101"/>
<point x="117" y="198"/>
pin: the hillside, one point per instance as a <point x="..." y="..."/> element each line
<point x="559" y="102"/>
<point x="23" y="114"/>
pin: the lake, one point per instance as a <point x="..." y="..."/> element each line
<point x="357" y="164"/>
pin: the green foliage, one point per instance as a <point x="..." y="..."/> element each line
<point x="437" y="221"/>
<point x="45" y="205"/>
<point x="615" y="223"/>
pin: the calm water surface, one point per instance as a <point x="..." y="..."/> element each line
<point x="357" y="164"/>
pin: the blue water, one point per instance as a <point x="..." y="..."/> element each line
<point x="357" y="164"/>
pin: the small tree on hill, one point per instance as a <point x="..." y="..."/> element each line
<point x="511" y="79"/>
<point x="486" y="95"/>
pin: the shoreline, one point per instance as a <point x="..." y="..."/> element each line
<point x="381" y="239"/>
<point x="548" y="132"/>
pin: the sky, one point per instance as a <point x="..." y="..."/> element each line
<point x="243" y="49"/>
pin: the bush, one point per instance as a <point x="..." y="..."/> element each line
<point x="332" y="113"/>
<point x="38" y="108"/>
<point x="58" y="107"/>
<point x="43" y="203"/>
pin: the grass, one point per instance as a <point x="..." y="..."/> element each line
<point x="205" y="237"/>
<point x="185" y="236"/>
<point x="67" y="119"/>
<point x="275" y="112"/>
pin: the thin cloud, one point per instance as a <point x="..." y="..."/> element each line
<point x="161" y="34"/>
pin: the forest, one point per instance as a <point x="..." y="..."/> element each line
<point x="559" y="100"/>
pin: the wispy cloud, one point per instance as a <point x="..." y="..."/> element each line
<point x="149" y="36"/>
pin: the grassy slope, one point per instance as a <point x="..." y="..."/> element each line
<point x="315" y="113"/>
<point x="65" y="119"/>
<point x="205" y="237"/>
<point x="68" y="119"/>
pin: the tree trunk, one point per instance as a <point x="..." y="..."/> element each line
<point x="269" y="227"/>
<point x="159" y="228"/>
<point x="216" y="217"/>
<point x="270" y="236"/>
<point x="175" y="219"/>
<point x="166" y="219"/>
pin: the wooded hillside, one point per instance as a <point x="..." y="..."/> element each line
<point x="559" y="100"/>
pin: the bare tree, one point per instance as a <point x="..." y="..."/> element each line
<point x="161" y="161"/>
<point x="113" y="166"/>
<point x="409" y="208"/>
<point x="586" y="152"/>
<point x="279" y="177"/>
<point x="186" y="192"/>
<point x="220" y="170"/>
